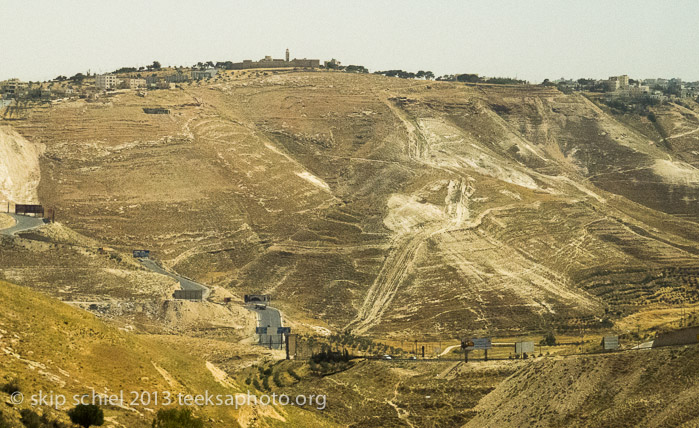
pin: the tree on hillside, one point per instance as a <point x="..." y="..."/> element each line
<point x="77" y="78"/>
<point x="356" y="69"/>
<point x="397" y="73"/>
<point x="176" y="418"/>
<point x="471" y="78"/>
<point x="154" y="66"/>
<point x="86" y="415"/>
<point x="429" y="75"/>
<point x="548" y="340"/>
<point x="504" y="81"/>
<point x="125" y="70"/>
<point x="29" y="419"/>
<point x="228" y="65"/>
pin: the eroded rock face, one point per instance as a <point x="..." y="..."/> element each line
<point x="19" y="167"/>
<point x="385" y="205"/>
<point x="567" y="392"/>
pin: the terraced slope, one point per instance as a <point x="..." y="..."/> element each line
<point x="655" y="389"/>
<point x="387" y="205"/>
<point x="50" y="346"/>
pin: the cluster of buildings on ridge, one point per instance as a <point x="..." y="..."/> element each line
<point x="625" y="89"/>
<point x="16" y="89"/>
<point x="269" y="62"/>
<point x="110" y="81"/>
<point x="616" y="88"/>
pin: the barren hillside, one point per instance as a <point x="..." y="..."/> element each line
<point x="50" y="347"/>
<point x="387" y="205"/>
<point x="645" y="389"/>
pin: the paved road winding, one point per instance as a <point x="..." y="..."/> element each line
<point x="272" y="319"/>
<point x="22" y="223"/>
<point x="268" y="317"/>
<point x="185" y="283"/>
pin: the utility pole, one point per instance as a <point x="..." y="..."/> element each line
<point x="638" y="335"/>
<point x="286" y="341"/>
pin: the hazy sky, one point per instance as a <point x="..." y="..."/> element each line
<point x="532" y="40"/>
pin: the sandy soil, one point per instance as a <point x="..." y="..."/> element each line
<point x="19" y="167"/>
<point x="6" y="221"/>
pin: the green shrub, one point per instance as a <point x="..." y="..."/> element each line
<point x="548" y="340"/>
<point x="30" y="419"/>
<point x="86" y="415"/>
<point x="11" y="387"/>
<point x="176" y="418"/>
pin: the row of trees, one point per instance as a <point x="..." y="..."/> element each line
<point x="407" y="74"/>
<point x="421" y="74"/>
<point x="79" y="77"/>
<point x="155" y="66"/>
<point x="474" y="78"/>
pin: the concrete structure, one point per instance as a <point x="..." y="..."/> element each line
<point x="176" y="78"/>
<point x="26" y="209"/>
<point x="257" y="298"/>
<point x="333" y="63"/>
<point x="610" y="343"/>
<point x="269" y="62"/>
<point x="683" y="336"/>
<point x="106" y="81"/>
<point x="141" y="254"/>
<point x="524" y="348"/>
<point x="204" y="74"/>
<point x="188" y="295"/>
<point x="623" y="81"/>
<point x="618" y="82"/>
<point x="133" y="83"/>
<point x="164" y="85"/>
<point x="13" y="88"/>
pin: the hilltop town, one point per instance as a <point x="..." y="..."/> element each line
<point x="152" y="77"/>
<point x="620" y="91"/>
